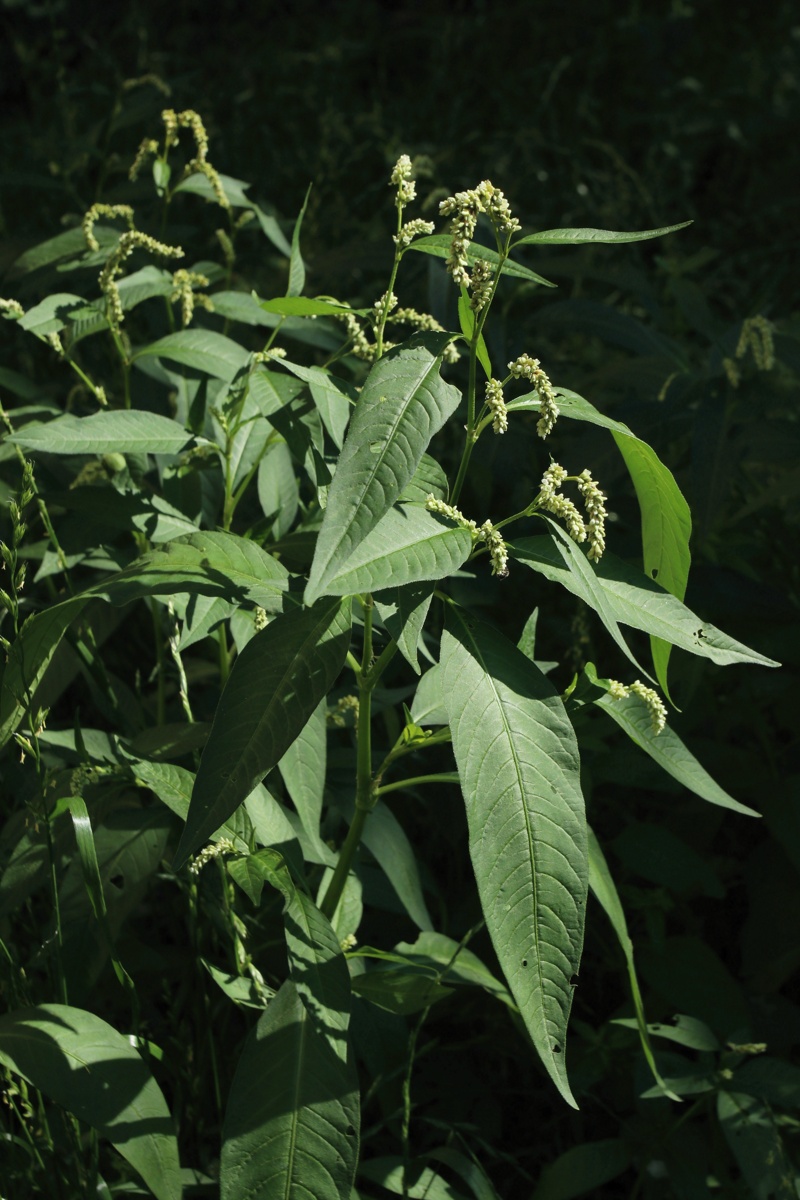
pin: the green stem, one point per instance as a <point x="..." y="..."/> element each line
<point x="398" y="254"/>
<point x="160" y="693"/>
<point x="401" y="784"/>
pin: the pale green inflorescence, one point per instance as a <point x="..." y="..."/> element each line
<point x="464" y="208"/>
<point x="113" y="267"/>
<point x="183" y="285"/>
<point x="12" y="310"/>
<point x="401" y="179"/>
<point x="594" y="503"/>
<point x="486" y="532"/>
<point x="551" y="500"/>
<point x="103" y="210"/>
<point x="756" y="335"/>
<point x="410" y="230"/>
<point x="529" y="368"/>
<point x="655" y="705"/>
<point x="496" y="405"/>
<point x="482" y="277"/>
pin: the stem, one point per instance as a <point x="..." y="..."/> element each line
<point x="160" y="695"/>
<point x="398" y="254"/>
<point x="401" y="784"/>
<point x="367" y="675"/>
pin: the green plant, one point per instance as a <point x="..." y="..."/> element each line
<point x="291" y="515"/>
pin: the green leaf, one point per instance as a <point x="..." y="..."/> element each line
<point x="92" y="1071"/>
<point x="685" y="1031"/>
<point x="384" y="837"/>
<point x="667" y="749"/>
<point x="276" y="683"/>
<point x="428" y="705"/>
<point x="620" y="593"/>
<point x="200" y="185"/>
<point x="468" y="1168"/>
<point x="407" y="545"/>
<point x="297" y="269"/>
<point x="571" y="237"/>
<point x="583" y="1169"/>
<point x="69" y="245"/>
<point x="206" y="351"/>
<point x="429" y="478"/>
<point x="333" y="397"/>
<point x="242" y="307"/>
<point x="414" y="1180"/>
<point x="454" y="963"/>
<point x="466" y="319"/>
<point x="304" y="306"/>
<point x="403" y="403"/>
<point x="754" y="1138"/>
<point x="400" y="990"/>
<point x="403" y="611"/>
<point x="605" y="892"/>
<point x="292" y="1121"/>
<point x="666" y="529"/>
<point x="518" y="760"/>
<point x="278" y="491"/>
<point x="58" y="312"/>
<point x="439" y="245"/>
<point x="302" y="769"/>
<point x="133" y="432"/>
<point x="143" y="285"/>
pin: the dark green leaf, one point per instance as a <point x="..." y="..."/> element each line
<point x="570" y="237"/>
<point x="275" y="685"/>
<point x="104" y="432"/>
<point x="202" y="349"/>
<point x="439" y="245"/>
<point x="403" y="403"/>
<point x="518" y="761"/>
<point x="88" y="1068"/>
<point x="292" y="1122"/>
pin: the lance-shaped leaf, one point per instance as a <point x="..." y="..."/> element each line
<point x="316" y="962"/>
<point x="292" y="1123"/>
<point x="575" y="237"/>
<point x="667" y="749"/>
<point x="202" y="349"/>
<point x="303" y="770"/>
<point x="403" y="611"/>
<point x="276" y="683"/>
<point x="520" y="773"/>
<point x="408" y="545"/>
<point x="104" y="432"/>
<point x="403" y="403"/>
<point x="439" y="245"/>
<point x="83" y="1064"/>
<point x="620" y="593"/>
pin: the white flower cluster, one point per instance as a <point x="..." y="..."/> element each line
<point x="208" y="853"/>
<point x="183" y="285"/>
<point x="464" y="208"/>
<point x="113" y="267"/>
<point x="482" y="276"/>
<point x="757" y="335"/>
<point x="529" y="368"/>
<point x="655" y="705"/>
<point x="486" y="532"/>
<point x="103" y="210"/>
<point x="410" y="230"/>
<point x="381" y="308"/>
<point x="12" y="308"/>
<point x="497" y="405"/>
<point x="594" y="503"/>
<point x="551" y="500"/>
<point x="401" y="179"/>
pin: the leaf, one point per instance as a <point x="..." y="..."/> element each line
<point x="58" y="312"/>
<point x="292" y="1121"/>
<point x="278" y="491"/>
<point x="583" y="1169"/>
<point x="428" y="706"/>
<point x="569" y="237"/>
<point x="468" y="1168"/>
<point x="407" y="545"/>
<point x="297" y="269"/>
<point x="302" y="769"/>
<point x="429" y="478"/>
<point x="84" y="1065"/>
<point x="605" y="892"/>
<point x="403" y="403"/>
<point x="414" y="1179"/>
<point x="685" y="1031"/>
<point x="303" y="306"/>
<point x="439" y="245"/>
<point x="276" y="683"/>
<point x="385" y="838"/>
<point x="667" y="749"/>
<point x="754" y="1138"/>
<point x="242" y="307"/>
<point x="124" y="432"/>
<point x="666" y="529"/>
<point x="693" y="978"/>
<point x="400" y="990"/>
<point x="403" y="611"/>
<point x="455" y="963"/>
<point x="206" y="351"/>
<point x="333" y="397"/>
<point x="466" y="318"/>
<point x="518" y="760"/>
<point x="620" y="593"/>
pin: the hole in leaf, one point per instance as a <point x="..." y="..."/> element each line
<point x="524" y="962"/>
<point x="117" y="881"/>
<point x="654" y="572"/>
<point x="556" y="1049"/>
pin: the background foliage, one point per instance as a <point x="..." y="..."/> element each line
<point x="619" y="116"/>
